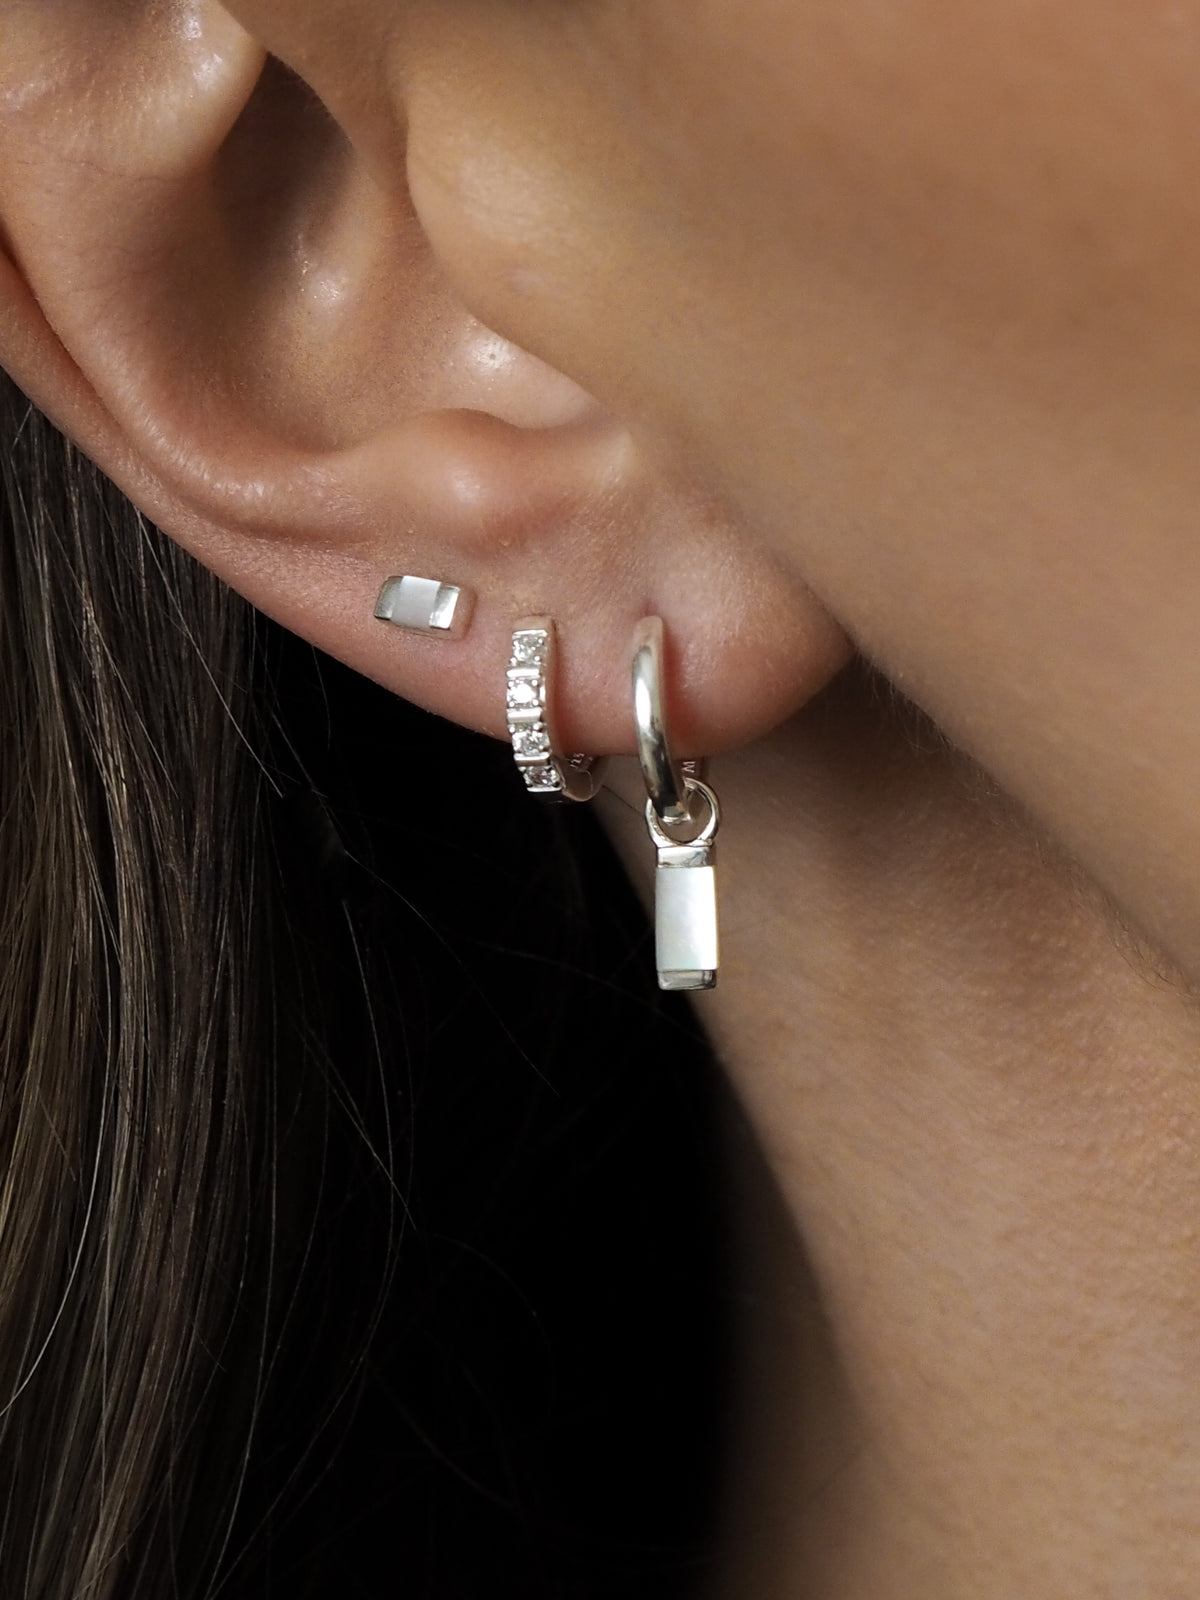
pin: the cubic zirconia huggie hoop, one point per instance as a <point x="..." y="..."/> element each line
<point x="530" y="710"/>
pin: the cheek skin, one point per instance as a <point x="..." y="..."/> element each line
<point x="918" y="287"/>
<point x="800" y="208"/>
<point x="1021" y="180"/>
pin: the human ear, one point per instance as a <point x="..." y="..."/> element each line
<point x="220" y="287"/>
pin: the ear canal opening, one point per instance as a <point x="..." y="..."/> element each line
<point x="266" y="164"/>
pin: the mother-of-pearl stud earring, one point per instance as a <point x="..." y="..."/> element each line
<point x="426" y="605"/>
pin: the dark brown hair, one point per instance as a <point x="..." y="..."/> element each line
<point x="130" y="855"/>
<point x="246" y="950"/>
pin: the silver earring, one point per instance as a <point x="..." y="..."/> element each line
<point x="530" y="709"/>
<point x="426" y="605"/>
<point x="685" y="884"/>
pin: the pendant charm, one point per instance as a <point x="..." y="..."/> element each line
<point x="685" y="899"/>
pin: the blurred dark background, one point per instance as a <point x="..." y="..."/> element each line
<point x="501" y="1241"/>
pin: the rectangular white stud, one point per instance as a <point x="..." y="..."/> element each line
<point x="424" y="605"/>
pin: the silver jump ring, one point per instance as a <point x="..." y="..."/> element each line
<point x="692" y="786"/>
<point x="667" y="784"/>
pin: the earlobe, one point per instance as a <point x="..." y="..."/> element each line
<point x="210" y="291"/>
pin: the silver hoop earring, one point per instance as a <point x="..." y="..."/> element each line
<point x="531" y="712"/>
<point x="682" y="815"/>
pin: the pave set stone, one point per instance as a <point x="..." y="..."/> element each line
<point x="526" y="702"/>
<point x="531" y="648"/>
<point x="532" y="743"/>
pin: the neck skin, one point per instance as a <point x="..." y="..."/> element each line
<point x="971" y="1250"/>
